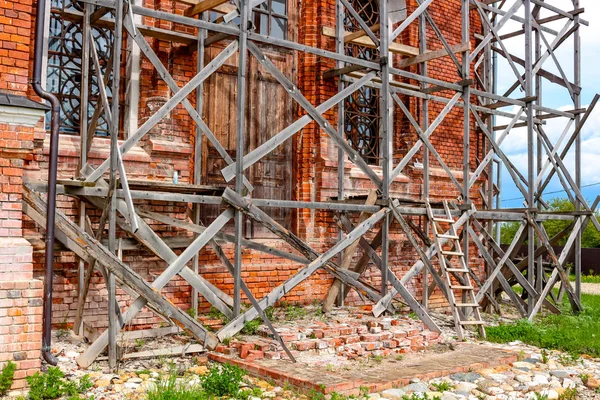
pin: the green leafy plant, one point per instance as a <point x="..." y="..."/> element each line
<point x="192" y="312"/>
<point x="314" y="394"/>
<point x="539" y="396"/>
<point x="223" y="381"/>
<point x="245" y="394"/>
<point x="226" y="340"/>
<point x="377" y="358"/>
<point x="569" y="394"/>
<point x="442" y="386"/>
<point x="294" y="312"/>
<point x="52" y="385"/>
<point x="6" y="377"/>
<point x="143" y="372"/>
<point x="420" y="396"/>
<point x="139" y="343"/>
<point x="364" y="392"/>
<point x="584" y="378"/>
<point x="545" y="357"/>
<point x="167" y="388"/>
<point x="251" y="327"/>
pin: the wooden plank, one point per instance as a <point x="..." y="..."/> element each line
<point x="360" y="33"/>
<point x="397" y="48"/>
<point x="318" y="260"/>
<point x="176" y="351"/>
<point x="334" y="290"/>
<point x="432" y="55"/>
<point x="202" y="6"/>
<point x="223" y="236"/>
<point x="148" y="333"/>
<point x="122" y="271"/>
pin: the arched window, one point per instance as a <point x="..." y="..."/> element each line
<point x="361" y="109"/>
<point x="64" y="65"/>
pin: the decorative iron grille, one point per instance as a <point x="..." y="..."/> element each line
<point x="65" y="68"/>
<point x="361" y="109"/>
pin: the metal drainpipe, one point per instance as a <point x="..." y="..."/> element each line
<point x="40" y="22"/>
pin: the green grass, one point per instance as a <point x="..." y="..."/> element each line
<point x="586" y="278"/>
<point x="576" y="334"/>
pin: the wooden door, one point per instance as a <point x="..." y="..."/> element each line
<point x="268" y="110"/>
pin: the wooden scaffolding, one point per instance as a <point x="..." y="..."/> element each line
<point x="107" y="188"/>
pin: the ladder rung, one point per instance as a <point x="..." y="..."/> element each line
<point x="443" y="236"/>
<point x="467" y="305"/>
<point x="472" y="322"/>
<point x="452" y="253"/>
<point x="457" y="270"/>
<point x="449" y="221"/>
<point x="461" y="287"/>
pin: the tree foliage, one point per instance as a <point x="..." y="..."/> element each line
<point x="589" y="239"/>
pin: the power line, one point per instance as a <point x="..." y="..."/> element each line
<point x="555" y="192"/>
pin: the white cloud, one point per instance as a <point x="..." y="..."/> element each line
<point x="515" y="145"/>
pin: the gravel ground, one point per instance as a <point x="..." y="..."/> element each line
<point x="590" y="288"/>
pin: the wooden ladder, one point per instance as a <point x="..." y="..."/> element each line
<point x="468" y="305"/>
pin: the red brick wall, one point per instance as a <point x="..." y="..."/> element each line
<point x="167" y="148"/>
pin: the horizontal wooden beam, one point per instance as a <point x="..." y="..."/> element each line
<point x="365" y="41"/>
<point x="432" y="55"/>
<point x="203" y="6"/>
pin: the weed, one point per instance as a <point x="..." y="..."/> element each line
<point x="568" y="394"/>
<point x="169" y="389"/>
<point x="269" y="312"/>
<point x="545" y="356"/>
<point x="569" y="359"/>
<point x="223" y="381"/>
<point x="6" y="377"/>
<point x="521" y="356"/>
<point x="51" y="385"/>
<point x="314" y="394"/>
<point x="245" y="394"/>
<point x="584" y="378"/>
<point x="226" y="340"/>
<point x="214" y="313"/>
<point x="192" y="312"/>
<point x="139" y="343"/>
<point x="413" y="315"/>
<point x="251" y="327"/>
<point x="294" y="312"/>
<point x="442" y="386"/>
<point x="399" y="357"/>
<point x="330" y="367"/>
<point x="312" y="335"/>
<point x="364" y="392"/>
<point x="62" y="334"/>
<point x="377" y="358"/>
<point x="143" y="372"/>
<point x="539" y="396"/>
<point x="420" y="396"/>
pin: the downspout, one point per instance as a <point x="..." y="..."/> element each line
<point x="40" y="22"/>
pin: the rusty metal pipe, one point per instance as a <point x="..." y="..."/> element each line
<point x="40" y="28"/>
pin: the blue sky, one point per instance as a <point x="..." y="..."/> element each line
<point x="555" y="96"/>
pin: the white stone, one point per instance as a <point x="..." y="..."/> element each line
<point x="540" y="380"/>
<point x="568" y="383"/>
<point x="393" y="393"/>
<point x="523" y="378"/>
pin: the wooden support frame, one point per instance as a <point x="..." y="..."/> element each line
<point x="472" y="92"/>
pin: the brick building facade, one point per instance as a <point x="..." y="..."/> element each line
<point x="304" y="170"/>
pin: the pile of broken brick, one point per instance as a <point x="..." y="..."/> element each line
<point x="351" y="338"/>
